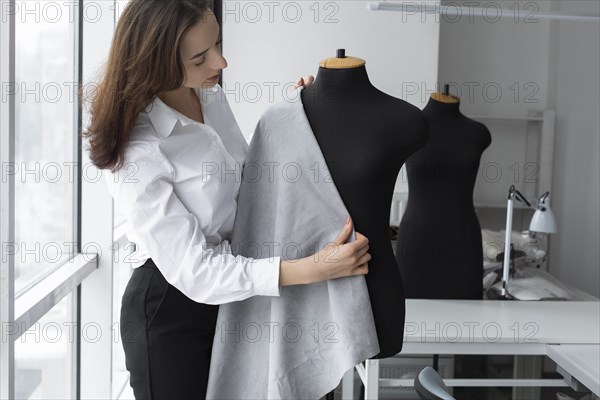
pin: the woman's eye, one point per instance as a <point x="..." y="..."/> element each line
<point x="218" y="44"/>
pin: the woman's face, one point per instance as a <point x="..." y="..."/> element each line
<point x="201" y="53"/>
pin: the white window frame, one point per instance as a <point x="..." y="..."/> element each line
<point x="7" y="208"/>
<point x="97" y="226"/>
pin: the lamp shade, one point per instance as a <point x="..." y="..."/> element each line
<point x="543" y="220"/>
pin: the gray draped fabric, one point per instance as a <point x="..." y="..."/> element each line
<point x="300" y="344"/>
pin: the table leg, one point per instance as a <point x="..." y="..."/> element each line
<point x="372" y="384"/>
<point x="348" y="385"/>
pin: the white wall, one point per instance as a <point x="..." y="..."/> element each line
<point x="575" y="87"/>
<point x="504" y="62"/>
<point x="261" y="50"/>
<point x="561" y="59"/>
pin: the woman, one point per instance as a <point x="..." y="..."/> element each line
<point x="153" y="129"/>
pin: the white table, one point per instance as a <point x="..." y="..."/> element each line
<point x="579" y="364"/>
<point x="486" y="327"/>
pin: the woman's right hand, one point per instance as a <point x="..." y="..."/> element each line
<point x="341" y="259"/>
<point x="336" y="260"/>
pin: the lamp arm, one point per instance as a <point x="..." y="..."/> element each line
<point x="507" y="237"/>
<point x="513" y="193"/>
<point x="522" y="198"/>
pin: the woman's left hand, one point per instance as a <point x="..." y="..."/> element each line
<point x="305" y="81"/>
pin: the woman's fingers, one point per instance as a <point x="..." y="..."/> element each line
<point x="362" y="267"/>
<point x="343" y="236"/>
<point x="364" y="259"/>
<point x="361" y="270"/>
<point x="362" y="251"/>
<point x="305" y="81"/>
<point x="360" y="242"/>
<point x="355" y="257"/>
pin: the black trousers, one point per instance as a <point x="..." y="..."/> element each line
<point x="167" y="338"/>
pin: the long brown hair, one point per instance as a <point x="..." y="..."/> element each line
<point x="143" y="61"/>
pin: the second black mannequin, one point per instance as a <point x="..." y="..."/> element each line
<point x="439" y="248"/>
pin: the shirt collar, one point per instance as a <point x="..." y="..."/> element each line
<point x="164" y="118"/>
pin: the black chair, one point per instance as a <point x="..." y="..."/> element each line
<point x="430" y="386"/>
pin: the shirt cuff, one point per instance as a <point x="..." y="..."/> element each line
<point x="265" y="276"/>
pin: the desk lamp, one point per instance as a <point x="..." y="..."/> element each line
<point x="543" y="221"/>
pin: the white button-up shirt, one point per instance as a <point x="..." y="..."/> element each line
<point x="178" y="191"/>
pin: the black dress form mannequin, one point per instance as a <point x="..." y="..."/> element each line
<point x="365" y="135"/>
<point x="439" y="249"/>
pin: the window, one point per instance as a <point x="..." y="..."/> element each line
<point x="45" y="140"/>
